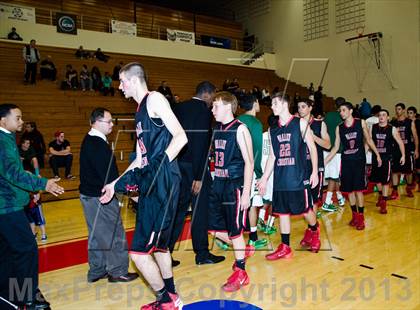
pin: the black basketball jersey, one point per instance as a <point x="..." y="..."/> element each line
<point x="153" y="137"/>
<point x="383" y="140"/>
<point x="352" y="141"/>
<point x="404" y="129"/>
<point x="228" y="162"/>
<point x="316" y="126"/>
<point x="290" y="152"/>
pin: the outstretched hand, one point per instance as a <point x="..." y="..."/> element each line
<point x="53" y="188"/>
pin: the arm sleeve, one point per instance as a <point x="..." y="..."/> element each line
<point x="12" y="171"/>
<point x="199" y="143"/>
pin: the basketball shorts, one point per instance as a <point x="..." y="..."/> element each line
<point x="292" y="202"/>
<point x="225" y="214"/>
<point x="353" y="176"/>
<point x="381" y="174"/>
<point x="35" y="215"/>
<point x="155" y="218"/>
<point x="408" y="166"/>
<point x="332" y="169"/>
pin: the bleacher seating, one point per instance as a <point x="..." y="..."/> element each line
<point x="53" y="109"/>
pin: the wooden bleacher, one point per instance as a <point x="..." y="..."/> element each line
<point x="53" y="109"/>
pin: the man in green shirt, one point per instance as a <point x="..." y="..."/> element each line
<point x="18" y="248"/>
<point x="332" y="169"/>
<point x="251" y="106"/>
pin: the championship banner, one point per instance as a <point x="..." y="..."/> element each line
<point x="124" y="28"/>
<point x="14" y="12"/>
<point x="180" y="36"/>
<point x="66" y="23"/>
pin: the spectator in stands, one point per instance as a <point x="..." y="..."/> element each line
<point x="96" y="78"/>
<point x="71" y="78"/>
<point x="81" y="53"/>
<point x="365" y="109"/>
<point x="177" y="99"/>
<point x="99" y="55"/>
<point x="47" y="69"/>
<point x="311" y="89"/>
<point x="226" y="84"/>
<point x="107" y="85"/>
<point x="374" y="118"/>
<point x="116" y="72"/>
<point x="60" y="155"/>
<point x="85" y="79"/>
<point x="165" y="90"/>
<point x="318" y="109"/>
<point x="31" y="57"/>
<point x="32" y="134"/>
<point x="13" y="35"/>
<point x="257" y="92"/>
<point x="28" y="156"/>
<point x="356" y="112"/>
<point x="234" y="86"/>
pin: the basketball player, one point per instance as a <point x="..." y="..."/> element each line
<point x="251" y="106"/>
<point x="350" y="133"/>
<point x="160" y="137"/>
<point x="230" y="195"/>
<point x="322" y="141"/>
<point x="291" y="185"/>
<point x="412" y="114"/>
<point x="407" y="129"/>
<point x="383" y="135"/>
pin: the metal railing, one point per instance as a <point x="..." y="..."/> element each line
<point x="100" y="24"/>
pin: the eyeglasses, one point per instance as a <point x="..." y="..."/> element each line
<point x="102" y="121"/>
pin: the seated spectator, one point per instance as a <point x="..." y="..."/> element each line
<point x="32" y="134"/>
<point x="233" y="86"/>
<point x="28" y="156"/>
<point x="99" y="55"/>
<point x="116" y="72"/>
<point x="60" y="155"/>
<point x="81" y="53"/>
<point x="85" y="79"/>
<point x="47" y="69"/>
<point x="13" y="35"/>
<point x="107" y="85"/>
<point x="96" y="78"/>
<point x="165" y="90"/>
<point x="71" y="78"/>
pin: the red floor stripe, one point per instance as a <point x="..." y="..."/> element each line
<point x="75" y="252"/>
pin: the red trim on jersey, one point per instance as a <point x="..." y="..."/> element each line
<point x="230" y="125"/>
<point x="287" y="123"/>
<point x="238" y="208"/>
<point x="352" y="124"/>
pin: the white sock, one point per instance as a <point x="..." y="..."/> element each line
<point x="339" y="195"/>
<point x="328" y="199"/>
<point x="254" y="229"/>
<point x="261" y="214"/>
<point x="270" y="221"/>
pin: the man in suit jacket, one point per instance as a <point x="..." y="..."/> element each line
<point x="195" y="117"/>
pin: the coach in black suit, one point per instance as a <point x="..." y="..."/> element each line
<point x="195" y="117"/>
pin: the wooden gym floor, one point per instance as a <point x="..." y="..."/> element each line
<point x="378" y="268"/>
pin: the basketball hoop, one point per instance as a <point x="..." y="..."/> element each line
<point x="367" y="49"/>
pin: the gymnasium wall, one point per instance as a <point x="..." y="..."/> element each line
<point x="91" y="40"/>
<point x="398" y="20"/>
